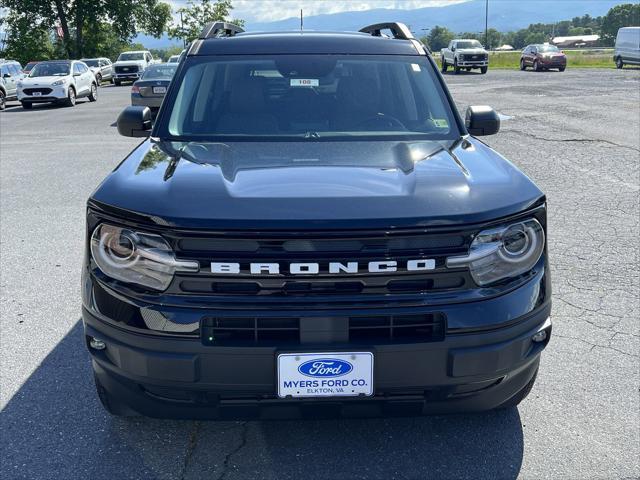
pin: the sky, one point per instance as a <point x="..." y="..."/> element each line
<point x="271" y="10"/>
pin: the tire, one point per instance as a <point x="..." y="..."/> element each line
<point x="27" y="106"/>
<point x="619" y="63"/>
<point x="93" y="96"/>
<point x="456" y="68"/>
<point x="112" y="81"/>
<point x="110" y="404"/>
<point x="99" y="79"/>
<point x="3" y="101"/>
<point x="523" y="67"/>
<point x="71" y="98"/>
<point x="562" y="69"/>
<point x="117" y="83"/>
<point x="444" y="66"/>
<point x="536" y="66"/>
<point x="521" y="395"/>
<point x="484" y="70"/>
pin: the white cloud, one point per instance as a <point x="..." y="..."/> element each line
<point x="271" y="10"/>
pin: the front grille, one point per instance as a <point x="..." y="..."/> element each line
<point x="43" y="91"/>
<point x="474" y="57"/>
<point x="130" y="69"/>
<point x="320" y="248"/>
<point x="278" y="331"/>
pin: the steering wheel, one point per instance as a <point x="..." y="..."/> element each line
<point x="381" y="120"/>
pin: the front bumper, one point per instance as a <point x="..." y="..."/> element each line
<point x="57" y="94"/>
<point x="164" y="376"/>
<point x="473" y="63"/>
<point x="128" y="77"/>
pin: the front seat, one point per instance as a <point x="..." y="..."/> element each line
<point x="247" y="110"/>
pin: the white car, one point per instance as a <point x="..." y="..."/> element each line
<point x="130" y="65"/>
<point x="57" y="81"/>
<point x="174" y="59"/>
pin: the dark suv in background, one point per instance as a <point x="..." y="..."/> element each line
<point x="312" y="229"/>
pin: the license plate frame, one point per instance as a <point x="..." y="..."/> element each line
<point x="36" y="94"/>
<point x="159" y="90"/>
<point x="325" y="374"/>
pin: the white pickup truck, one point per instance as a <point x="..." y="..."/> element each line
<point x="465" y="54"/>
<point x="130" y="65"/>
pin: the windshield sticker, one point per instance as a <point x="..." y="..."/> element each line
<point x="415" y="67"/>
<point x="441" y="123"/>
<point x="305" y="82"/>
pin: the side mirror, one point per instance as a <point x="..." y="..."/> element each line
<point x="135" y="121"/>
<point x="6" y="75"/>
<point x="482" y="120"/>
<point x="453" y="49"/>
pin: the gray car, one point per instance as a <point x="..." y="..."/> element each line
<point x="101" y="68"/>
<point x="10" y="75"/>
<point x="627" y="47"/>
<point x="150" y="90"/>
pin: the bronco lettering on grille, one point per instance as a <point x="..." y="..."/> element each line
<point x="314" y="268"/>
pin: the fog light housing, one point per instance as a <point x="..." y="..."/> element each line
<point x="97" y="344"/>
<point x="539" y="337"/>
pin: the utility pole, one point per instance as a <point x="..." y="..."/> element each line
<point x="486" y="24"/>
<point x="301" y="21"/>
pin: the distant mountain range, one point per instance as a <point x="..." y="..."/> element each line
<point x="504" y="15"/>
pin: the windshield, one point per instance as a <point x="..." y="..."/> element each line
<point x="547" y="48"/>
<point x="46" y="69"/>
<point x="173" y="59"/>
<point x="469" y="44"/>
<point x="311" y="97"/>
<point x="29" y="66"/>
<point x="159" y="72"/>
<point x="124" y="57"/>
<point x="91" y="63"/>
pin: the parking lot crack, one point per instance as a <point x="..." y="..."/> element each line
<point x="572" y="140"/>
<point x="191" y="446"/>
<point x="227" y="459"/>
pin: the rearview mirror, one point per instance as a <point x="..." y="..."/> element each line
<point x="482" y="120"/>
<point x="135" y="121"/>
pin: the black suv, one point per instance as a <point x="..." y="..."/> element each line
<point x="312" y="229"/>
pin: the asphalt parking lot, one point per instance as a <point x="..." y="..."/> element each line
<point x="577" y="134"/>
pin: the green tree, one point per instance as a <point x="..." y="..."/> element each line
<point x="535" y="37"/>
<point x="79" y="19"/>
<point x="438" y="38"/>
<point x="625" y="15"/>
<point x="196" y="15"/>
<point x="27" y="38"/>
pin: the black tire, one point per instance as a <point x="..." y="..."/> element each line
<point x="112" y="81"/>
<point x="99" y="79"/>
<point x="3" y="101"/>
<point x="536" y="66"/>
<point x="619" y="63"/>
<point x="110" y="404"/>
<point x="93" y="96"/>
<point x="562" y="69"/>
<point x="456" y="68"/>
<point x="444" y="66"/>
<point x="523" y="66"/>
<point x="27" y="105"/>
<point x="71" y="98"/>
<point x="521" y="395"/>
<point x="484" y="70"/>
<point x="117" y="83"/>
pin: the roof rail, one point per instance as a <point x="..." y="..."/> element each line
<point x="219" y="29"/>
<point x="399" y="30"/>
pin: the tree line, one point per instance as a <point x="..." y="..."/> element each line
<point x="48" y="29"/>
<point x="606" y="26"/>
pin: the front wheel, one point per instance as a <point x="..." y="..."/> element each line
<point x="536" y="66"/>
<point x="3" y="103"/>
<point x="444" y="66"/>
<point x="523" y="67"/>
<point x="562" y="69"/>
<point x="93" y="96"/>
<point x="27" y="106"/>
<point x="619" y="63"/>
<point x="456" y="68"/>
<point x="71" y="98"/>
<point x="99" y="79"/>
<point x="484" y="70"/>
<point x="117" y="82"/>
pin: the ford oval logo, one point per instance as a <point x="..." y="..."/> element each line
<point x="325" y="367"/>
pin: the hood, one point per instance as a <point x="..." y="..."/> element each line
<point x="313" y="184"/>
<point x="42" y="81"/>
<point x="129" y="63"/>
<point x="471" y="51"/>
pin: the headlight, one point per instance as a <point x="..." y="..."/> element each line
<point x="136" y="257"/>
<point x="502" y="252"/>
<point x="59" y="82"/>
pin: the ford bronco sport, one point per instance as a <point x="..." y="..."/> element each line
<point x="312" y="229"/>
